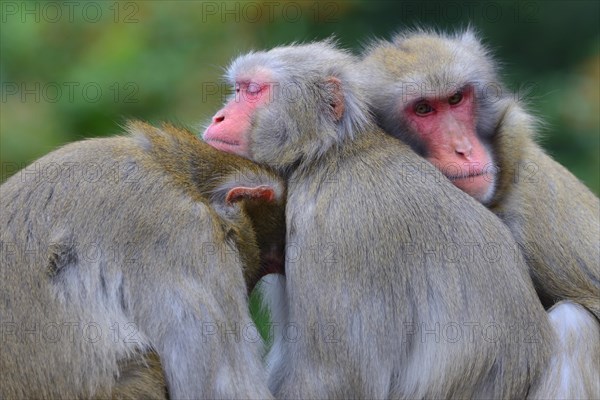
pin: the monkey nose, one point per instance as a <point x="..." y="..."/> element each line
<point x="462" y="146"/>
<point x="218" y="118"/>
<point x="464" y="151"/>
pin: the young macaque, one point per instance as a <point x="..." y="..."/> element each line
<point x="123" y="254"/>
<point x="371" y="305"/>
<point x="441" y="95"/>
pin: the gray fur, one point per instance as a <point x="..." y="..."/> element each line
<point x="553" y="217"/>
<point x="315" y="136"/>
<point x="362" y="276"/>
<point x="132" y="261"/>
<point x="440" y="68"/>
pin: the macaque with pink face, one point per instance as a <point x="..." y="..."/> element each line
<point x="361" y="301"/>
<point x="229" y="124"/>
<point x="441" y="95"/>
<point x="447" y="127"/>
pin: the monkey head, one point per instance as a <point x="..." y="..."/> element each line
<point x="290" y="104"/>
<point x="440" y="95"/>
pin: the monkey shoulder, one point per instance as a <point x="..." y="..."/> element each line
<point x="378" y="174"/>
<point x="547" y="179"/>
<point x="546" y="197"/>
<point x="121" y="191"/>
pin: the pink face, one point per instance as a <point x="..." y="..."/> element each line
<point x="230" y="127"/>
<point x="447" y="128"/>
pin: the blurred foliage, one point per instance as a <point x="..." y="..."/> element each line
<point x="81" y="68"/>
<point x="78" y="69"/>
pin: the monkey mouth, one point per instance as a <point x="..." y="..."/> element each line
<point x="479" y="184"/>
<point x="221" y="141"/>
<point x="466" y="176"/>
<point x="472" y="177"/>
<point x="228" y="146"/>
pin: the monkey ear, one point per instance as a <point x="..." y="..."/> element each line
<point x="337" y="105"/>
<point x="239" y="193"/>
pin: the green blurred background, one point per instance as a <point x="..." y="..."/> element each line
<point x="80" y="69"/>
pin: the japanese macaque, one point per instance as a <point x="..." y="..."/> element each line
<point x="398" y="284"/>
<point x="123" y="254"/>
<point x="441" y="95"/>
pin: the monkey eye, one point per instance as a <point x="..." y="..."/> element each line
<point x="423" y="108"/>
<point x="455" y="98"/>
<point x="253" y="88"/>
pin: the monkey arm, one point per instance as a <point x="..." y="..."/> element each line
<point x="554" y="217"/>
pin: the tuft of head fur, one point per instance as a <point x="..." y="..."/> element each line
<point x="299" y="74"/>
<point x="433" y="62"/>
<point x="421" y="63"/>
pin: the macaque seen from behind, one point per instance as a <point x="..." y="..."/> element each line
<point x="151" y="255"/>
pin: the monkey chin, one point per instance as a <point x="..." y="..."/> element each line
<point x="479" y="186"/>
